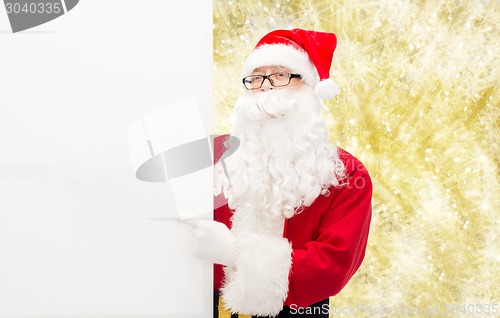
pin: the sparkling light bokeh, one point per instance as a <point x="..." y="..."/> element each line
<point x="420" y="108"/>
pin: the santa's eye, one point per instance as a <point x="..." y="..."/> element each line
<point x="256" y="78"/>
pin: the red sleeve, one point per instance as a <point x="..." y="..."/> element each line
<point x="323" y="266"/>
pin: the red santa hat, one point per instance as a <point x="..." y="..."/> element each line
<point x="308" y="53"/>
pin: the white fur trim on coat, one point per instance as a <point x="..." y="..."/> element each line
<point x="258" y="284"/>
<point x="282" y="55"/>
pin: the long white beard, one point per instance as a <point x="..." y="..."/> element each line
<point x="285" y="160"/>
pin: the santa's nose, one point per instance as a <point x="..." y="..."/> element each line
<point x="266" y="85"/>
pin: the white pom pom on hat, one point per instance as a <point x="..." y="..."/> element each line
<point x="327" y="89"/>
<point x="308" y="53"/>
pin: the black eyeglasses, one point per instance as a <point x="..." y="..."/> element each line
<point x="276" y="80"/>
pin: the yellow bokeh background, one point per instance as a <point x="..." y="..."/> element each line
<point x="419" y="106"/>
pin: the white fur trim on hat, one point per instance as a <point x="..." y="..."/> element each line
<point x="282" y="55"/>
<point x="258" y="283"/>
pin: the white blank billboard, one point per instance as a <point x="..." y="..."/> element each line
<point x="77" y="237"/>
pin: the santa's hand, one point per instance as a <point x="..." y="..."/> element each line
<point x="213" y="241"/>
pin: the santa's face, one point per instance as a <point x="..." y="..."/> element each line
<point x="271" y="102"/>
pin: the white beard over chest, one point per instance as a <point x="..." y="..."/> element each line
<point x="284" y="161"/>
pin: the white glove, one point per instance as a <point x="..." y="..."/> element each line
<point x="213" y="241"/>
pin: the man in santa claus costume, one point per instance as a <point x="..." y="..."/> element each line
<point x="295" y="226"/>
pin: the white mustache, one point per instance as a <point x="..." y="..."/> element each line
<point x="266" y="105"/>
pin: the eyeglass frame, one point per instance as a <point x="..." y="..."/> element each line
<point x="264" y="77"/>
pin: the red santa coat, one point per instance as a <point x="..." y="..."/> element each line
<point x="327" y="244"/>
